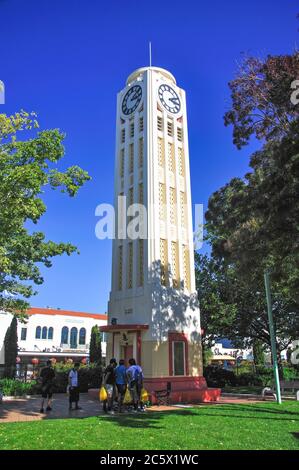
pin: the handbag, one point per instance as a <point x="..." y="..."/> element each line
<point x="144" y="395"/>
<point x="127" y="397"/>
<point x="103" y="394"/>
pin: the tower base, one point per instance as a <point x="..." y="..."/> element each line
<point x="183" y="389"/>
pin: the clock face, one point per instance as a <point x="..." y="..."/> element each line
<point x="131" y="100"/>
<point x="169" y="98"/>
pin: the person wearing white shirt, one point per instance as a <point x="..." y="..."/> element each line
<point x="73" y="385"/>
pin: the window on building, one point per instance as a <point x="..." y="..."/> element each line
<point x="183" y="208"/>
<point x="130" y="266"/>
<point x="170" y="128"/>
<point x="172" y="205"/>
<point x="122" y="163"/>
<point x="171" y="163"/>
<point x="160" y="123"/>
<point x="131" y="158"/>
<point x="141" y="124"/>
<point x="181" y="161"/>
<point x="23" y="334"/>
<point x="178" y="358"/>
<point x="74" y="338"/>
<point x="50" y="333"/>
<point x="44" y="332"/>
<point x="180" y="134"/>
<point x="123" y="135"/>
<point x="162" y="201"/>
<point x="82" y="336"/>
<point x="186" y="267"/>
<point x="175" y="264"/>
<point x="161" y="155"/>
<point x="65" y="335"/>
<point x="164" y="261"/>
<point x="38" y="332"/>
<point x="140" y="263"/>
<point x="140" y="153"/>
<point x="120" y="268"/>
<point x="132" y="129"/>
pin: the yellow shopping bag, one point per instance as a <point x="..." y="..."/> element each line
<point x="144" y="395"/>
<point x="127" y="397"/>
<point x="103" y="394"/>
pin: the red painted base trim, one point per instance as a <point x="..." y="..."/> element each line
<point x="183" y="389"/>
<point x="177" y="383"/>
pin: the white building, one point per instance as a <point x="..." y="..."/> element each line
<point x="52" y="333"/>
<point x="153" y="309"/>
<point x="226" y="351"/>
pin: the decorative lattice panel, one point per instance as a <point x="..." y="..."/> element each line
<point x="170" y="155"/>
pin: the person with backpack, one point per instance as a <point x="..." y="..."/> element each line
<point x="121" y="383"/>
<point x="132" y="378"/>
<point x="139" y="385"/>
<point x="109" y="384"/>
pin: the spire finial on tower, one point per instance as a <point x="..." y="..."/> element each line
<point x="150" y="53"/>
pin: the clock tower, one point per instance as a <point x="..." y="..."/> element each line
<point x="153" y="311"/>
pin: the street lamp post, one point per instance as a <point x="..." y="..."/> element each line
<point x="272" y="336"/>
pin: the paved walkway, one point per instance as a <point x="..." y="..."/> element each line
<point x="27" y="409"/>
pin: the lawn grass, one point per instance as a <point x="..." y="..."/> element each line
<point x="235" y="426"/>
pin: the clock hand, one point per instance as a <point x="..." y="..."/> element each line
<point x="174" y="100"/>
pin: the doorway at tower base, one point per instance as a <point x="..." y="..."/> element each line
<point x="183" y="389"/>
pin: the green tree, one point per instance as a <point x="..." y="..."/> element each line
<point x="11" y="349"/>
<point x="95" y="345"/>
<point x="258" y="353"/>
<point x="27" y="168"/>
<point x="261" y="99"/>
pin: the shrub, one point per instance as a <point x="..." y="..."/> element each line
<point x="217" y="377"/>
<point x="15" y="387"/>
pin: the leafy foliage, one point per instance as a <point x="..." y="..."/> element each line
<point x="261" y="99"/>
<point x="26" y="168"/>
<point x="11" y="349"/>
<point x="95" y="345"/>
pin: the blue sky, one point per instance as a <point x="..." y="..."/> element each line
<point x="67" y="59"/>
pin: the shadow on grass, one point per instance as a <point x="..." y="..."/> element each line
<point x="150" y="419"/>
<point x="250" y="412"/>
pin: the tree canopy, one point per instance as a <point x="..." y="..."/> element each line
<point x="252" y="222"/>
<point x="27" y="166"/>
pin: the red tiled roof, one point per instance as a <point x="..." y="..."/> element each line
<point x="70" y="313"/>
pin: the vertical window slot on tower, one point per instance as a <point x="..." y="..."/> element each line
<point x="160" y="123"/>
<point x="140" y="153"/>
<point x="123" y="135"/>
<point x="163" y="259"/>
<point x="141" y="124"/>
<point x="132" y="129"/>
<point x="170" y="128"/>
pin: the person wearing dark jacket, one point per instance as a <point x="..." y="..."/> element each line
<point x="47" y="376"/>
<point x="109" y="384"/>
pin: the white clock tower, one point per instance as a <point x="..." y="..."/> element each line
<point x="153" y="309"/>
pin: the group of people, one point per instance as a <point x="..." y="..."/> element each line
<point x="117" y="380"/>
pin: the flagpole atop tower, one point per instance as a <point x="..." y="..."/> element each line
<point x="150" y="53"/>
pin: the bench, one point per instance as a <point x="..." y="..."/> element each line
<point x="292" y="385"/>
